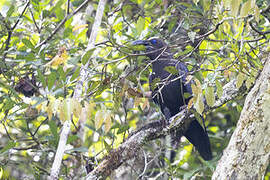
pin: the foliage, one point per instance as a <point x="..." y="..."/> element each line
<point x="42" y="47"/>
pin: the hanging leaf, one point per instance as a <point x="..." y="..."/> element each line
<point x="250" y="82"/>
<point x="245" y="10"/>
<point x="49" y="110"/>
<point x="67" y="109"/>
<point x="199" y="105"/>
<point x="197" y="96"/>
<point x="108" y="121"/>
<point x="240" y="79"/>
<point x="257" y="14"/>
<point x="99" y="118"/>
<point x="210" y="96"/>
<point x="77" y="108"/>
<point x="235" y="7"/>
<point x="219" y="89"/>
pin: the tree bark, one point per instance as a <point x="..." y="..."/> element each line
<point x="248" y="152"/>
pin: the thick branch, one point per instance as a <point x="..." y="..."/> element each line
<point x="151" y="131"/>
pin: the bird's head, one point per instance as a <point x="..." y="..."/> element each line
<point x="154" y="47"/>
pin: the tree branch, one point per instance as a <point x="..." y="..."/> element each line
<point x="77" y="94"/>
<point x="62" y="22"/>
<point x="154" y="130"/>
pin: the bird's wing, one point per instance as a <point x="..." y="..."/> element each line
<point x="182" y="68"/>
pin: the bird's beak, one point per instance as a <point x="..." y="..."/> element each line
<point x="140" y="42"/>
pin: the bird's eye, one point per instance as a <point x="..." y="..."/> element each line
<point x="153" y="41"/>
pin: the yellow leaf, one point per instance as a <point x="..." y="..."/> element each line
<point x="199" y="106"/>
<point x="79" y="27"/>
<point x="210" y="96"/>
<point x="60" y="58"/>
<point x="245" y="10"/>
<point x="240" y="79"/>
<point x="50" y="110"/>
<point x="77" y="108"/>
<point x="61" y="112"/>
<point x="108" y="122"/>
<point x="250" y="82"/>
<point x="194" y="91"/>
<point x="226" y="3"/>
<point x="235" y="7"/>
<point x="99" y="118"/>
<point x="89" y="109"/>
<point x="257" y="14"/>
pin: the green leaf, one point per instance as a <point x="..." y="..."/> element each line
<point x="75" y="74"/>
<point x="87" y="56"/>
<point x="10" y="10"/>
<point x="140" y="25"/>
<point x="28" y="43"/>
<point x="53" y="128"/>
<point x="122" y="129"/>
<point x="206" y="5"/>
<point x="61" y="72"/>
<point x="72" y="138"/>
<point x="10" y="144"/>
<point x="171" y="69"/>
<point x="41" y="78"/>
<point x="51" y="79"/>
<point x="219" y="89"/>
<point x="210" y="96"/>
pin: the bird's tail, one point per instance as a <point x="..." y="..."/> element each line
<point x="198" y="136"/>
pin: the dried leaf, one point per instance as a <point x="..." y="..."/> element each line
<point x="137" y="101"/>
<point x="108" y="121"/>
